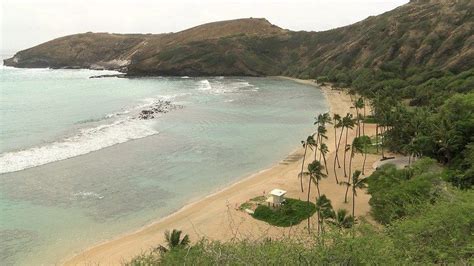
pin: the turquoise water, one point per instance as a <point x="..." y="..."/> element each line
<point x="79" y="167"/>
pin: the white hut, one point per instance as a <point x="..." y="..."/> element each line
<point x="276" y="197"/>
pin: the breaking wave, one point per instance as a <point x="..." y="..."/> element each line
<point x="115" y="128"/>
<point x="220" y="86"/>
<point x="86" y="141"/>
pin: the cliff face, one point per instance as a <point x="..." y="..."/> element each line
<point x="424" y="33"/>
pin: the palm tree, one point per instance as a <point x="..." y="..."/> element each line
<point x="322" y="135"/>
<point x="348" y="123"/>
<point x="347" y="184"/>
<point x="340" y="124"/>
<point x="320" y="123"/>
<point x="315" y="174"/>
<point x="324" y="210"/>
<point x="363" y="121"/>
<point x="323" y="148"/>
<point x="365" y="140"/>
<point x="174" y="240"/>
<point x="308" y="143"/>
<point x="357" y="183"/>
<point x="341" y="219"/>
<point x="358" y="104"/>
<point x="337" y="124"/>
<point x="356" y="147"/>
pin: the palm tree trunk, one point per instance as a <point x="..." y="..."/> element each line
<point x="353" y="201"/>
<point x="325" y="164"/>
<point x="317" y="187"/>
<point x="336" y="147"/>
<point x="350" y="160"/>
<point x="377" y="137"/>
<point x="320" y="151"/>
<point x="365" y="159"/>
<point x="309" y="192"/>
<point x="337" y="151"/>
<point x="363" y="123"/>
<point x="358" y="123"/>
<point x="381" y="140"/>
<point x="339" y="143"/>
<point x="345" y="152"/>
<point x="353" y="210"/>
<point x="302" y="166"/>
<point x="347" y="191"/>
<point x="319" y="226"/>
<point x="316" y="147"/>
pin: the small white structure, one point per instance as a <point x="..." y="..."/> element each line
<point x="276" y="197"/>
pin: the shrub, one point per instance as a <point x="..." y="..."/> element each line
<point x="394" y="192"/>
<point x="291" y="213"/>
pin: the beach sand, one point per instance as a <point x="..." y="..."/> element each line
<point x="216" y="216"/>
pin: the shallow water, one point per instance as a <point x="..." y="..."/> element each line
<point x="79" y="167"/>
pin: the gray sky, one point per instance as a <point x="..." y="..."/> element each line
<point x="25" y="23"/>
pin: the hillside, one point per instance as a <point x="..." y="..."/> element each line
<point x="116" y="51"/>
<point x="428" y="34"/>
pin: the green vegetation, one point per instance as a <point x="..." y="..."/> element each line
<point x="398" y="193"/>
<point x="414" y="68"/>
<point x="291" y="213"/>
<point x="437" y="229"/>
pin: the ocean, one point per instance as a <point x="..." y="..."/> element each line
<point x="83" y="160"/>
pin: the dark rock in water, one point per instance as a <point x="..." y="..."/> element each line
<point x="160" y="107"/>
<point x="108" y="76"/>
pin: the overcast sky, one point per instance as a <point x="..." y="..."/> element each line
<point x="25" y="23"/>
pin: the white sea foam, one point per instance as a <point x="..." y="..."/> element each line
<point x="204" y="85"/>
<point x="86" y="141"/>
<point x="217" y="86"/>
<point x="118" y="127"/>
<point x="87" y="194"/>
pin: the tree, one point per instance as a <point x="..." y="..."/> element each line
<point x="322" y="135"/>
<point x="357" y="183"/>
<point x="358" y="104"/>
<point x="315" y="174"/>
<point x="320" y="123"/>
<point x="356" y="147"/>
<point x="308" y="143"/>
<point x="173" y="241"/>
<point x="337" y="124"/>
<point x="348" y="123"/>
<point x="348" y="185"/>
<point x="323" y="148"/>
<point x="341" y="219"/>
<point x="324" y="210"/>
<point x="364" y="141"/>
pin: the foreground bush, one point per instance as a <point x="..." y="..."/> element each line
<point x="439" y="233"/>
<point x="397" y="193"/>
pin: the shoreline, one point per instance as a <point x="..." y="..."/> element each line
<point x="210" y="215"/>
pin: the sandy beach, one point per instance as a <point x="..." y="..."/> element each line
<point x="216" y="216"/>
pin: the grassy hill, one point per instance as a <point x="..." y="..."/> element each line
<point x="427" y="34"/>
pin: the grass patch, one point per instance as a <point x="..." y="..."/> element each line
<point x="246" y="205"/>
<point x="259" y="199"/>
<point x="291" y="213"/>
<point x="369" y="119"/>
<point x="374" y="148"/>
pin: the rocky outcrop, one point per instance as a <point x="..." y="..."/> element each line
<point x="159" y="107"/>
